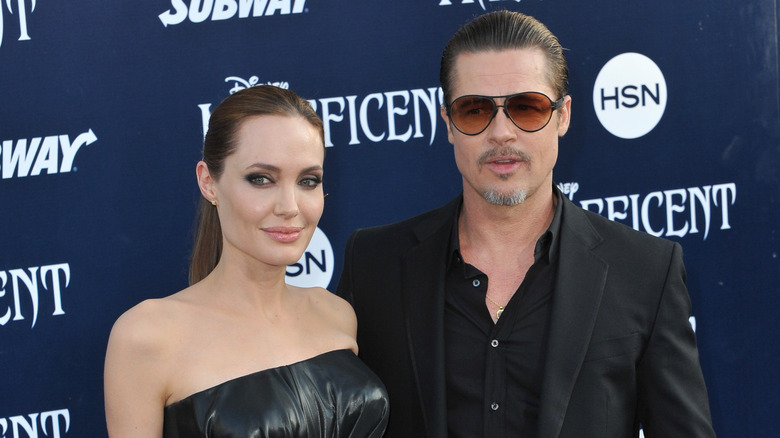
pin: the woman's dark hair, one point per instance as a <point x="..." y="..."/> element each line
<point x="221" y="142"/>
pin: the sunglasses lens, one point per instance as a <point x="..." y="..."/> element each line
<point x="471" y="114"/>
<point x="529" y="111"/>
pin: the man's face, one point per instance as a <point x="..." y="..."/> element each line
<point x="505" y="165"/>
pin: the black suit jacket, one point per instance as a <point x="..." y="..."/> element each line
<point x="621" y="350"/>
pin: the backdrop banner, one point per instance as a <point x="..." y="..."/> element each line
<point x="103" y="105"/>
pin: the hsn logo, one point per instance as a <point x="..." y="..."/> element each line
<point x="315" y="267"/>
<point x="629" y="95"/>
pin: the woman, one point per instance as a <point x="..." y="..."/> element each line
<point x="240" y="353"/>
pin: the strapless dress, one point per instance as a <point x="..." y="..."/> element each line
<point x="330" y="395"/>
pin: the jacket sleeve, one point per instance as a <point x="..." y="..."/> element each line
<point x="672" y="395"/>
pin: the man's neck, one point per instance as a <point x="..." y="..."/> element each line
<point x="502" y="230"/>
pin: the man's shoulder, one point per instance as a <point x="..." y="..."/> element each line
<point x="618" y="234"/>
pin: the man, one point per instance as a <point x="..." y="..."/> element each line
<point x="510" y="311"/>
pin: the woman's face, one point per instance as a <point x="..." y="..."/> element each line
<point x="269" y="197"/>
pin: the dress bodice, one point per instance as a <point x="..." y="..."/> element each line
<point x="330" y="395"/>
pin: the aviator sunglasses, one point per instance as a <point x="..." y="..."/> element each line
<point x="529" y="111"/>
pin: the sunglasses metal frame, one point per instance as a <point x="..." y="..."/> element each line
<point x="554" y="105"/>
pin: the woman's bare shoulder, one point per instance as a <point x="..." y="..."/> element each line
<point x="329" y="300"/>
<point x="140" y="363"/>
<point x="333" y="308"/>
<point x="149" y="326"/>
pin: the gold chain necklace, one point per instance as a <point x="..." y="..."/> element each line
<point x="500" y="307"/>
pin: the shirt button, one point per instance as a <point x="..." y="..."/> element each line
<point x="494" y="406"/>
<point x="494" y="343"/>
<point x="475" y="283"/>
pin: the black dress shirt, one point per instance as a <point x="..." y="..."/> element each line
<point x="494" y="371"/>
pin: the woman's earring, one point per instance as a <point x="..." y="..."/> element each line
<point x="214" y="203"/>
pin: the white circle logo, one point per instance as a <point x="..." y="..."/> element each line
<point x="629" y="95"/>
<point x="315" y="267"/>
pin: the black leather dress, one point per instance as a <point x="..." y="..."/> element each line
<point x="330" y="395"/>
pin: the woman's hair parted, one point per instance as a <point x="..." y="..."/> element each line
<point x="221" y="142"/>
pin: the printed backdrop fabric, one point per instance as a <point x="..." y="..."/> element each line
<point x="675" y="131"/>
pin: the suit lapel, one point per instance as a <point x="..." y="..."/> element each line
<point x="579" y="286"/>
<point x="423" y="292"/>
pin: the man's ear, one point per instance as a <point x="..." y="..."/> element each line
<point x="443" y="112"/>
<point x="564" y="116"/>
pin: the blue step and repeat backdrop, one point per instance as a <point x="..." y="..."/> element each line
<point x="675" y="131"/>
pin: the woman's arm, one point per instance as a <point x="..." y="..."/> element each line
<point x="134" y="375"/>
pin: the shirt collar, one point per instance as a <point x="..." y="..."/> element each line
<point x="546" y="246"/>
